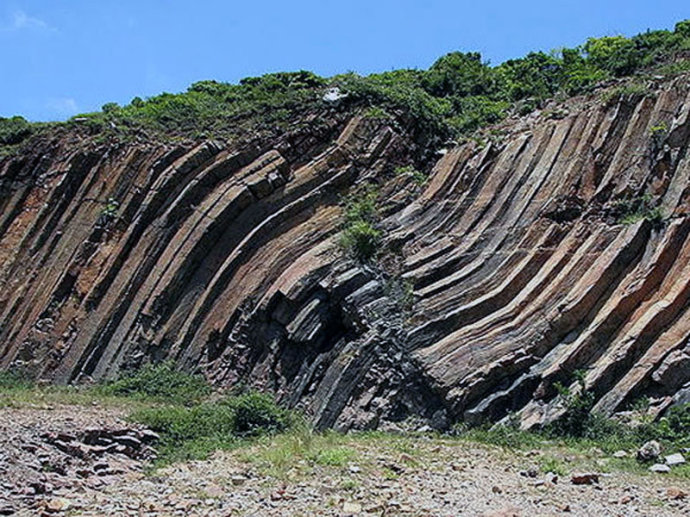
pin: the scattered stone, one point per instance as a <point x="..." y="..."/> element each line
<point x="620" y="454"/>
<point x="584" y="479"/>
<point x="674" y="459"/>
<point x="496" y="489"/>
<point x="530" y="473"/>
<point x="649" y="451"/>
<point x="238" y="480"/>
<point x="351" y="508"/>
<point x="675" y="493"/>
<point x="660" y="468"/>
<point x="354" y="469"/>
<point x="625" y="499"/>
<point x="57" y="505"/>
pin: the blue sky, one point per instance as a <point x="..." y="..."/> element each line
<point x="62" y="57"/>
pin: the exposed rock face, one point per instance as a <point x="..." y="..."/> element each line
<point x="226" y="259"/>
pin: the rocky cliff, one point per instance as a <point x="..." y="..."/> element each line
<point x="558" y="243"/>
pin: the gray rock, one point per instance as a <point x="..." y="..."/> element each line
<point x="238" y="480"/>
<point x="659" y="468"/>
<point x="674" y="459"/>
<point x="649" y="451"/>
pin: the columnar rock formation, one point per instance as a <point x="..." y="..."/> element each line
<point x="505" y="273"/>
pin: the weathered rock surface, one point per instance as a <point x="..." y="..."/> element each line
<point x="225" y="259"/>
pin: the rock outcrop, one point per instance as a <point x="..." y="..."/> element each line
<point x="505" y="273"/>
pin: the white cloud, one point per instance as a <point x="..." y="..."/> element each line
<point x="63" y="106"/>
<point x="21" y="21"/>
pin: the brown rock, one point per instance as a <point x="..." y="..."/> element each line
<point x="675" y="493"/>
<point x="584" y="479"/>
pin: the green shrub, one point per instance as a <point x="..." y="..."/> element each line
<point x="195" y="432"/>
<point x="14" y="130"/>
<point x="630" y="211"/>
<point x="162" y="382"/>
<point x="676" y="424"/>
<point x="189" y="432"/>
<point x="362" y="206"/>
<point x="15" y="380"/>
<point x="257" y="413"/>
<point x="362" y="239"/>
<point x="377" y="113"/>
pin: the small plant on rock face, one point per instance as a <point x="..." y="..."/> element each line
<point x="362" y="207"/>
<point x="362" y="239"/>
<point x="359" y="236"/>
<point x="418" y="177"/>
<point x="658" y="134"/>
<point x="630" y="90"/>
<point x="109" y="212"/>
<point x="637" y="209"/>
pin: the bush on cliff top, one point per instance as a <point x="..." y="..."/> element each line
<point x="458" y="94"/>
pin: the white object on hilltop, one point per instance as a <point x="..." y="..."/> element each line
<point x="334" y="95"/>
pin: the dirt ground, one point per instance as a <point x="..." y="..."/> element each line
<point x="51" y="464"/>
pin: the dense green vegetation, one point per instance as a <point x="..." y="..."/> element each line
<point x="360" y="237"/>
<point x="159" y="382"/>
<point x="194" y="432"/>
<point x="458" y="94"/>
<point x="191" y="423"/>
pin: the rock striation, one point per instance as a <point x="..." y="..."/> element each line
<point x="506" y="272"/>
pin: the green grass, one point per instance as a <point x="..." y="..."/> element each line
<point x="554" y="465"/>
<point x="195" y="432"/>
<point x="160" y="382"/>
<point x="333" y="457"/>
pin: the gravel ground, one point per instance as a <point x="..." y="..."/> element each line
<point x="350" y="476"/>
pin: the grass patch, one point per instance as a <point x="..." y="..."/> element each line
<point x="197" y="431"/>
<point x="160" y="382"/>
<point x="333" y="457"/>
<point x="553" y="465"/>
